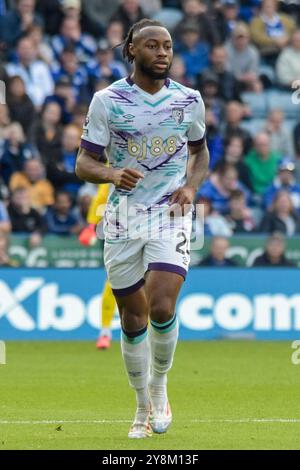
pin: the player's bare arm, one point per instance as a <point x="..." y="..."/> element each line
<point x="94" y="170"/>
<point x="196" y="174"/>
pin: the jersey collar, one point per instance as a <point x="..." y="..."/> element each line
<point x="131" y="82"/>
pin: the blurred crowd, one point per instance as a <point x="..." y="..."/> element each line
<point x="243" y="56"/>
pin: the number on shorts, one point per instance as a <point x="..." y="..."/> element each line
<point x="181" y="244"/>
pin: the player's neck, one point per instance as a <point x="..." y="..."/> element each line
<point x="146" y="83"/>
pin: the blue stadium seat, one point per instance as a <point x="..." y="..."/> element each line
<point x="257" y="103"/>
<point x="277" y="99"/>
<point x="290" y="124"/>
<point x="253" y="125"/>
<point x="269" y="72"/>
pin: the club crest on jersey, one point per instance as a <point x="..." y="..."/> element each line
<point x="178" y="115"/>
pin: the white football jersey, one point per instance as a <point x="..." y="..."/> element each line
<point x="149" y="133"/>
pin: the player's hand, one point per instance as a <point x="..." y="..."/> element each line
<point x="184" y="198"/>
<point x="126" y="178"/>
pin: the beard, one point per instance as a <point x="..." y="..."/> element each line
<point x="152" y="74"/>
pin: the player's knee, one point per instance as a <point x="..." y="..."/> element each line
<point x="132" y="321"/>
<point x="161" y="310"/>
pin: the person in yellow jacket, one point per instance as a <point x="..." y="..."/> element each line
<point x="88" y="237"/>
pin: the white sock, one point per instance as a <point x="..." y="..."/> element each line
<point x="136" y="356"/>
<point x="163" y="340"/>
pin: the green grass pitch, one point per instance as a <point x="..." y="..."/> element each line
<point x="224" y="395"/>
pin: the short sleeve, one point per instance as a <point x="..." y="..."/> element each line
<point x="196" y="133"/>
<point x="96" y="135"/>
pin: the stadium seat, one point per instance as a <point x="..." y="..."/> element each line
<point x="268" y="72"/>
<point x="283" y="100"/>
<point x="170" y="17"/>
<point x="290" y="124"/>
<point x="257" y="103"/>
<point x="253" y="125"/>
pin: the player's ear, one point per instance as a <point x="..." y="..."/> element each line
<point x="131" y="48"/>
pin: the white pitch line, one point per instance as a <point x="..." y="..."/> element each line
<point x="78" y="421"/>
<point x="123" y="421"/>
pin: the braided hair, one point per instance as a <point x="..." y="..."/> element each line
<point x="135" y="28"/>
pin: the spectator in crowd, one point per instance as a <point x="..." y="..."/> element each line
<point x="262" y="163"/>
<point x="20" y="105"/>
<point x="217" y="256"/>
<point x="114" y="36"/>
<point x="83" y="203"/>
<point x="288" y="63"/>
<point x="79" y="116"/>
<point x="296" y="139"/>
<point x="233" y="124"/>
<point x="178" y="71"/>
<point x="290" y="7"/>
<point x="220" y="186"/>
<point x="243" y="59"/>
<point x="60" y="218"/>
<point x="52" y="10"/>
<point x="4" y="5"/>
<point x="128" y="12"/>
<point x="33" y="178"/>
<point x="225" y="18"/>
<point x="104" y="66"/>
<point x="234" y="155"/>
<point x="212" y="224"/>
<point x="274" y="254"/>
<point x="271" y="31"/>
<point x="16" y="151"/>
<point x="240" y="218"/>
<point x="24" y="218"/>
<point x="47" y="133"/>
<point x="16" y="22"/>
<point x="193" y="50"/>
<point x="35" y="74"/>
<point x="64" y="96"/>
<point x="84" y="45"/>
<point x="70" y="69"/>
<point x="44" y="52"/>
<point x="98" y="13"/>
<point x="5" y="225"/>
<point x="72" y="9"/>
<point x="282" y="216"/>
<point x="281" y="138"/>
<point x="228" y="85"/>
<point x="197" y="11"/>
<point x="101" y="84"/>
<point x="209" y="88"/>
<point x="214" y="138"/>
<point x="4" y="125"/>
<point x="61" y="171"/>
<point x="3" y="74"/>
<point x="5" y="261"/>
<point x="285" y="181"/>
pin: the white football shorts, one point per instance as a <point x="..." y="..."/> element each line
<point x="127" y="261"/>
